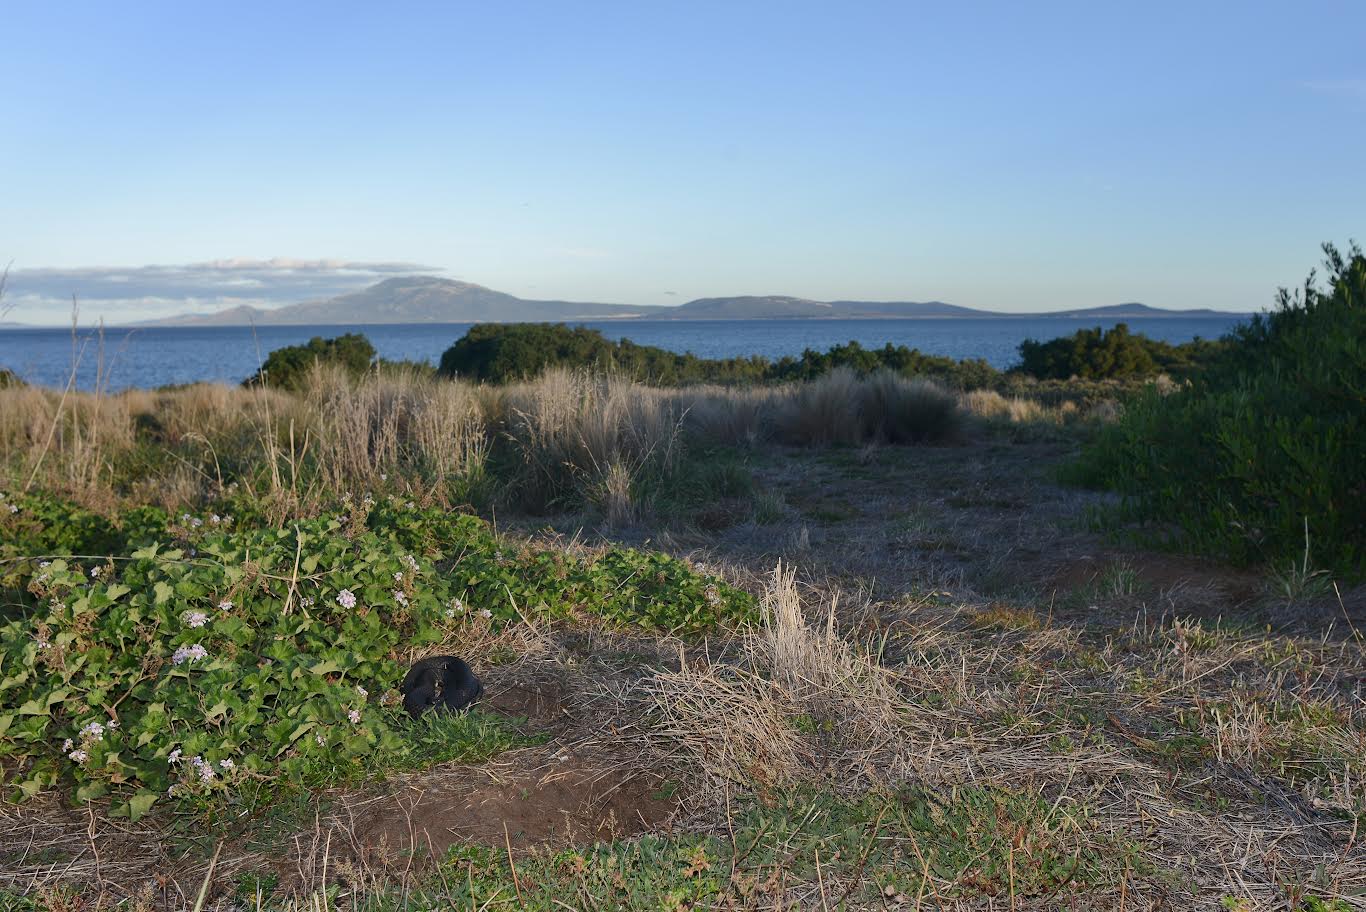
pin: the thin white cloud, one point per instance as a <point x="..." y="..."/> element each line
<point x="119" y="294"/>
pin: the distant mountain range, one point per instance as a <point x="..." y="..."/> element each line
<point x="425" y="299"/>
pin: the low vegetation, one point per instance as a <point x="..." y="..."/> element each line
<point x="1112" y="354"/>
<point x="1259" y="460"/>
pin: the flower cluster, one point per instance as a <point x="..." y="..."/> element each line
<point x="195" y="618"/>
<point x="454" y="607"/>
<point x="346" y="598"/>
<point x="225" y="605"/>
<point x="189" y="654"/>
<point x="400" y="598"/>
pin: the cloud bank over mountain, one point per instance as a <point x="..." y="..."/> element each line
<point x="120" y="294"/>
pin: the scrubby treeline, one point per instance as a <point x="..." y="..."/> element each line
<point x="1097" y="354"/>
<point x="509" y="352"/>
<point x="1263" y="457"/>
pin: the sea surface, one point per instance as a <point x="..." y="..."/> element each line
<point x="157" y="356"/>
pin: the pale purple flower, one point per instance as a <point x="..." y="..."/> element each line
<point x="94" y="731"/>
<point x="112" y="724"/>
<point x="215" y="519"/>
<point x="67" y="745"/>
<point x="189" y="654"/>
<point x="398" y="577"/>
<point x="411" y="562"/>
<point x="173" y="756"/>
<point x="79" y="756"/>
<point x="346" y="598"/>
<point x="362" y="691"/>
<point x="196" y="522"/>
<point x="354" y="716"/>
<point x="225" y="605"/>
<point x="196" y="618"/>
<point x="400" y="597"/>
<point x="227" y="764"/>
<point x="485" y="613"/>
<point x="42" y="642"/>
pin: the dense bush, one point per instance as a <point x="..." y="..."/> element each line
<point x="1268" y="439"/>
<point x="286" y="368"/>
<point x="499" y="353"/>
<point x="1114" y="354"/>
<point x="231" y="649"/>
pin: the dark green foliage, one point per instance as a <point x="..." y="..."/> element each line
<point x="1096" y="354"/>
<point x="9" y="379"/>
<point x="503" y="352"/>
<point x="273" y="649"/>
<point x="286" y="368"/>
<point x="968" y="374"/>
<point x="1269" y="438"/>
<point x="499" y="353"/>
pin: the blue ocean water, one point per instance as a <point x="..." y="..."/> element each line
<point x="157" y="356"/>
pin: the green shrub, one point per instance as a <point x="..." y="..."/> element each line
<point x="232" y="649"/>
<point x="1270" y="438"/>
<point x="288" y="367"/>
<point x="1114" y="354"/>
<point x="500" y="353"/>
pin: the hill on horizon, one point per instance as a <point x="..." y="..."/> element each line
<point x="429" y="299"/>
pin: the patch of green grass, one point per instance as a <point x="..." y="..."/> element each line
<point x="969" y="844"/>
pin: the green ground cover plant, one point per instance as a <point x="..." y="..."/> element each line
<point x="210" y="649"/>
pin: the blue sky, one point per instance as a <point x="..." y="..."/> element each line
<point x="1000" y="155"/>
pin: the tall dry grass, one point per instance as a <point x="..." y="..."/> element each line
<point x="566" y="437"/>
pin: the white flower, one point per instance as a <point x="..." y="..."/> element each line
<point x="14" y="508"/>
<point x="450" y="612"/>
<point x="196" y="618"/>
<point x="79" y="756"/>
<point x="398" y="577"/>
<point x="112" y="724"/>
<point x="225" y="605"/>
<point x="196" y="522"/>
<point x="485" y="613"/>
<point x="94" y="731"/>
<point x="383" y="476"/>
<point x="457" y="607"/>
<point x="189" y="654"/>
<point x="227" y="764"/>
<point x="354" y="716"/>
<point x="411" y="562"/>
<point x="95" y="572"/>
<point x="67" y="745"/>
<point x="42" y="642"/>
<point x="400" y="597"/>
<point x="346" y="598"/>
<point x="184" y="517"/>
<point x="362" y="691"/>
<point x="170" y="792"/>
<point x="319" y="738"/>
<point x="306" y="601"/>
<point x="173" y="756"/>
<point x="44" y="565"/>
<point x="215" y="519"/>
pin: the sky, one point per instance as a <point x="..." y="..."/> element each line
<point x="163" y="158"/>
